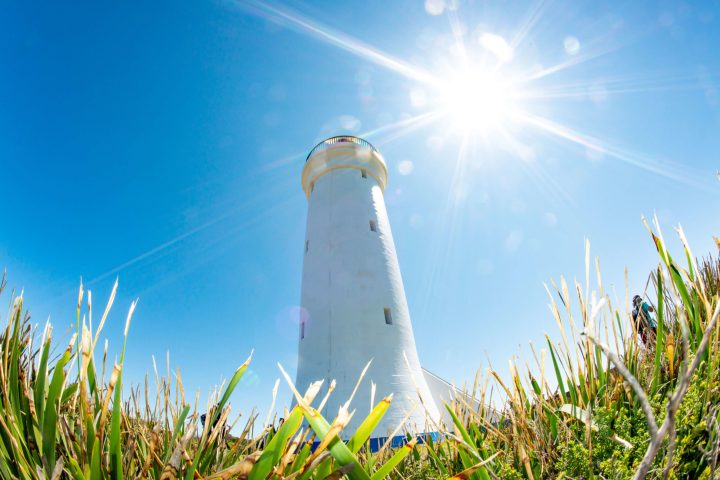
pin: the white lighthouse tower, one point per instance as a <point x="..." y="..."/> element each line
<point x="352" y="290"/>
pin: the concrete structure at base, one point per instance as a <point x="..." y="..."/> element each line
<point x="353" y="299"/>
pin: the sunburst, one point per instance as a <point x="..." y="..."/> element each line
<point x="477" y="99"/>
<point x="474" y="93"/>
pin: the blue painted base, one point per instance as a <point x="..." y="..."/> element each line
<point x="396" y="441"/>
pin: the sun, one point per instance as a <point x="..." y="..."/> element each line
<point x="477" y="99"/>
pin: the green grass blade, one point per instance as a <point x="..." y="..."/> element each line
<point x="340" y="452"/>
<point x="115" y="446"/>
<point x="558" y="375"/>
<point x="41" y="380"/>
<point x="460" y="427"/>
<point x="403" y="452"/>
<point x="176" y="432"/>
<point x="368" y="425"/>
<point x="660" y="338"/>
<point x="116" y="472"/>
<point x="432" y="452"/>
<point x="201" y="451"/>
<point x="92" y="382"/>
<point x="274" y="449"/>
<point x="301" y="457"/>
<point x="95" y="462"/>
<point x="50" y="420"/>
<point x="75" y="469"/>
<point x="230" y="389"/>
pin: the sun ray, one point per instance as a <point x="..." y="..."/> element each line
<point x="155" y="250"/>
<point x="217" y="246"/>
<point x="442" y="240"/>
<point x="667" y="170"/>
<point x="533" y="16"/>
<point x="656" y="83"/>
<point x="281" y="162"/>
<point x="546" y="183"/>
<point x="564" y="65"/>
<point x="400" y="128"/>
<point x="458" y="36"/>
<point x="337" y="39"/>
<point x="594" y="48"/>
<point x="256" y="207"/>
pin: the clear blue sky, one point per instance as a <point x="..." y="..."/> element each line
<point x="162" y="142"/>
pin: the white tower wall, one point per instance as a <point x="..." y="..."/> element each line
<point x="351" y="279"/>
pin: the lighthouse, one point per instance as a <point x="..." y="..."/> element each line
<point x="353" y="299"/>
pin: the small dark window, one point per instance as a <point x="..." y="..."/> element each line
<point x="364" y="173"/>
<point x="373" y="226"/>
<point x="307" y="244"/>
<point x="388" y="316"/>
<point x="302" y="330"/>
<point x="312" y="187"/>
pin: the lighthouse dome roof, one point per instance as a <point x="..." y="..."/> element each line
<point x="344" y="151"/>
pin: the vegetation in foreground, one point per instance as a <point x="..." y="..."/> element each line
<point x="610" y="407"/>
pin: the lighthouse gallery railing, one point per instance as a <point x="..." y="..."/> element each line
<point x="327" y="143"/>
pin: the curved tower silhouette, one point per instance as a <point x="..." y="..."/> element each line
<point x="353" y="297"/>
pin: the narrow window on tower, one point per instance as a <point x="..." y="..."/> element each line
<point x="302" y="330"/>
<point x="312" y="187"/>
<point x="364" y="173"/>
<point x="373" y="226"/>
<point x="388" y="316"/>
<point x="307" y="244"/>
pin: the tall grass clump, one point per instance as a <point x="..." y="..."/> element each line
<point x="65" y="416"/>
<point x="598" y="402"/>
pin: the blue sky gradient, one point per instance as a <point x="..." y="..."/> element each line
<point x="162" y="143"/>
